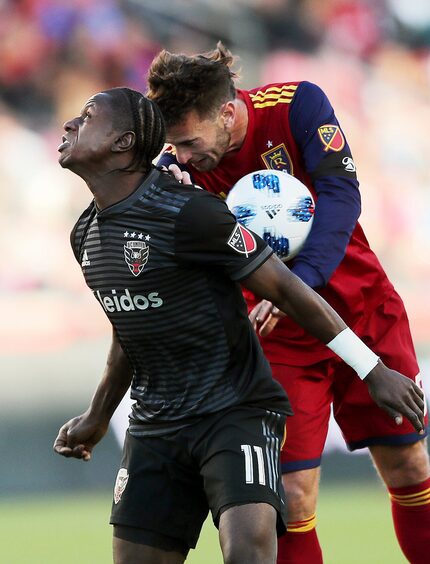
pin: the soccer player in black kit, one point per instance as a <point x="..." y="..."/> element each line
<point x="165" y="260"/>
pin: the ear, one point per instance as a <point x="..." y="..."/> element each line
<point x="227" y="114"/>
<point x="125" y="142"/>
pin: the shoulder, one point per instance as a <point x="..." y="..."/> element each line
<point x="309" y="91"/>
<point x="279" y="94"/>
<point x="203" y="213"/>
<point x="80" y="227"/>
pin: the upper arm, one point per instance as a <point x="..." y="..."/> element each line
<point x="319" y="135"/>
<point x="208" y="234"/>
<point x="275" y="282"/>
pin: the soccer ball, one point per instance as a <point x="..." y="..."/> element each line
<point x="276" y="206"/>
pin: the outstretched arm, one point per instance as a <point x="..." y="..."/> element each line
<point x="78" y="436"/>
<point x="392" y="391"/>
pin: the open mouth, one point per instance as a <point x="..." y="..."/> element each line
<point x="64" y="144"/>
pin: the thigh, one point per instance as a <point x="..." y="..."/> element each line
<point x="158" y="489"/>
<point x="248" y="533"/>
<point x="238" y="454"/>
<point x="309" y="390"/>
<point x="130" y="552"/>
<point x="362" y="422"/>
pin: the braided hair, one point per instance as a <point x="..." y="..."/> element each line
<point x="132" y="111"/>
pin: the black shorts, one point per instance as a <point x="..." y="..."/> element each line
<point x="166" y="485"/>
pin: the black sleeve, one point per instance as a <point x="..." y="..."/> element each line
<point x="207" y="233"/>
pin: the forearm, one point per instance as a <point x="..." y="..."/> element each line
<point x="275" y="282"/>
<point x="115" y="382"/>
<point x="309" y="310"/>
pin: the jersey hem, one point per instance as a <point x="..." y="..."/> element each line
<point x="392" y="440"/>
<point x="300" y="465"/>
<point x="252" y="266"/>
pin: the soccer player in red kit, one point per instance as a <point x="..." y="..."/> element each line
<point x="219" y="134"/>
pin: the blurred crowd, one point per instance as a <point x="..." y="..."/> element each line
<point x="372" y="57"/>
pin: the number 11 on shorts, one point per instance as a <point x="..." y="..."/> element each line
<point x="249" y="452"/>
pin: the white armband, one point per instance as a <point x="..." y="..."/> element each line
<point x="354" y="352"/>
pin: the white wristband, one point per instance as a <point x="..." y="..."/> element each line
<point x="354" y="352"/>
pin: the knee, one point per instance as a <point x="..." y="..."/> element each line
<point x="255" y="549"/>
<point x="301" y="492"/>
<point x="404" y="465"/>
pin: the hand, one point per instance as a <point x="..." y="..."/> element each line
<point x="78" y="436"/>
<point x="265" y="315"/>
<point x="397" y="395"/>
<point x="180" y="175"/>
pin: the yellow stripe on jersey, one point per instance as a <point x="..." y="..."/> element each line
<point x="273" y="96"/>
<point x="275" y="89"/>
<point x="302" y="526"/>
<point x="412" y="500"/>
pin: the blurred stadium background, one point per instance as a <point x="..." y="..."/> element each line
<point x="372" y="57"/>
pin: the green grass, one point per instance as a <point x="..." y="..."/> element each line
<point x="354" y="527"/>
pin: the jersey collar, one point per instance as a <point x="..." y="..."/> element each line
<point x="124" y="204"/>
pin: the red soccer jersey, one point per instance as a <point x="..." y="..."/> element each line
<point x="359" y="283"/>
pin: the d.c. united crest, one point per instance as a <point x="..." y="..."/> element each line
<point x="136" y="255"/>
<point x="120" y="484"/>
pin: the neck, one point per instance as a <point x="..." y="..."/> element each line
<point x="116" y="185"/>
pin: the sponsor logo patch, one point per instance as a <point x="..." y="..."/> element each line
<point x="126" y="301"/>
<point x="278" y="159"/>
<point x="242" y="241"/>
<point x="85" y="259"/>
<point x="349" y="164"/>
<point x="331" y="137"/>
<point x="120" y="484"/>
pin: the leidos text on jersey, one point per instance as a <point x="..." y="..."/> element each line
<point x="127" y="302"/>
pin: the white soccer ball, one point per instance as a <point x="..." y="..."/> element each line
<point x="276" y="206"/>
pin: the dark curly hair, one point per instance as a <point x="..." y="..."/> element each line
<point x="181" y="83"/>
<point x="134" y="112"/>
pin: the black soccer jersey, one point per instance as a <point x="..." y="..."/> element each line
<point x="164" y="265"/>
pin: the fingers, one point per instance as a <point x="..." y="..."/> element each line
<point x="412" y="411"/>
<point x="399" y="396"/>
<point x="260" y="313"/>
<point x="269" y="325"/>
<point x="79" y="451"/>
<point x="64" y="447"/>
<point x="180" y="175"/>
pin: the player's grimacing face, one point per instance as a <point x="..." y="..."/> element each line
<point x="88" y="136"/>
<point x="201" y="143"/>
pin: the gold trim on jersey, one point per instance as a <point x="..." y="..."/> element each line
<point x="273" y="95"/>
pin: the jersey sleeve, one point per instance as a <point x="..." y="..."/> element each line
<point x="329" y="162"/>
<point x="78" y="232"/>
<point x="207" y="234"/>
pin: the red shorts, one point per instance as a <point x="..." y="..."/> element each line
<point x="312" y="390"/>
